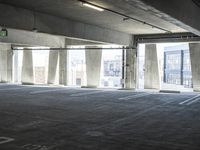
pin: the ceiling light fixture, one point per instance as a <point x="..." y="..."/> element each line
<point x="92" y="6"/>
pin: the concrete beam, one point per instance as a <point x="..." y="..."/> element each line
<point x="183" y="14"/>
<point x="32" y="39"/>
<point x="75" y="42"/>
<point x="19" y="18"/>
<point x="167" y="38"/>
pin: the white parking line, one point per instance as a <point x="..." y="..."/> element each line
<point x="134" y="96"/>
<point x="194" y="101"/>
<point x="4" y="140"/>
<point x="86" y="93"/>
<point x="190" y="100"/>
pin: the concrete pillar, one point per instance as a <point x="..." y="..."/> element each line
<point x="15" y="67"/>
<point x="6" y="61"/>
<point x="53" y="63"/>
<point x="3" y="65"/>
<point x="63" y="55"/>
<point x="131" y="66"/>
<point x="195" y="65"/>
<point x="27" y="68"/>
<point x="152" y="79"/>
<point x="93" y="66"/>
<point x="9" y="65"/>
<point x="0" y="67"/>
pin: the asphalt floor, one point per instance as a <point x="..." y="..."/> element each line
<point x="66" y="118"/>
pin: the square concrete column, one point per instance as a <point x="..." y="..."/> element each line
<point x="195" y="65"/>
<point x="152" y="78"/>
<point x="53" y="64"/>
<point x="93" y="66"/>
<point x="15" y="67"/>
<point x="63" y="61"/>
<point x="27" y="68"/>
<point x="6" y="61"/>
<point x="3" y="65"/>
<point x="9" y="65"/>
<point x="131" y="63"/>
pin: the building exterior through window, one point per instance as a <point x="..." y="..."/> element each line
<point x="177" y="66"/>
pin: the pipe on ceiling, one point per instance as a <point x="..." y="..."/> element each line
<point x="126" y="17"/>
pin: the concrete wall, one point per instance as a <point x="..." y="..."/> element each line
<point x="152" y="78"/>
<point x="6" y="58"/>
<point x="195" y="64"/>
<point x="27" y="76"/>
<point x="93" y="66"/>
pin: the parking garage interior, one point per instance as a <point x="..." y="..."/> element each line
<point x="99" y="75"/>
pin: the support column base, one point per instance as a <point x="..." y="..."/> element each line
<point x="89" y="87"/>
<point x="3" y="82"/>
<point x="23" y="83"/>
<point x="130" y="89"/>
<point x="196" y="90"/>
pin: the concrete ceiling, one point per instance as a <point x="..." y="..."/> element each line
<point x="73" y="9"/>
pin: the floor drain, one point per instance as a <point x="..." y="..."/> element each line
<point x="4" y="140"/>
<point x="94" y="133"/>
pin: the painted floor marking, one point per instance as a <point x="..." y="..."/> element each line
<point x="134" y="96"/>
<point x="86" y="93"/>
<point x="132" y="117"/>
<point x="4" y="140"/>
<point x="193" y="99"/>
